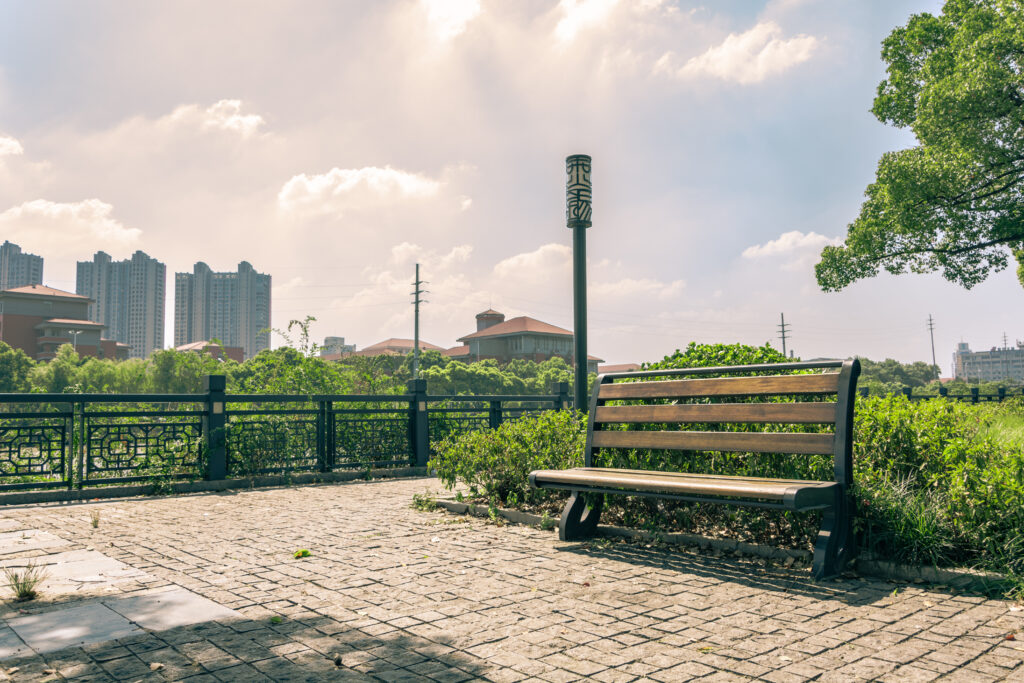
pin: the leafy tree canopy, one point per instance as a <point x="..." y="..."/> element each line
<point x="714" y="355"/>
<point x="955" y="202"/>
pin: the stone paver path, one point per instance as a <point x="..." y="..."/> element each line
<point x="391" y="593"/>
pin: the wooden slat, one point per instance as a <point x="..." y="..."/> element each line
<point x="724" y="386"/>
<point x="741" y="442"/>
<point x="744" y="413"/>
<point x="683" y="484"/>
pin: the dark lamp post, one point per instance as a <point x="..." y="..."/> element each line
<point x="578" y="196"/>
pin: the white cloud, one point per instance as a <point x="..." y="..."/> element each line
<point x="530" y="265"/>
<point x="223" y="115"/>
<point x="745" y="58"/>
<point x="9" y="146"/>
<point x="788" y="243"/>
<point x="343" y="189"/>
<point x="631" y="287"/>
<point x="582" y="14"/>
<point x="449" y="18"/>
<point x="65" y="232"/>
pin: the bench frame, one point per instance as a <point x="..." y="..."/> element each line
<point x="835" y="544"/>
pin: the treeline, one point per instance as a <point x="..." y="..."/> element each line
<point x="283" y="370"/>
<point x="890" y="377"/>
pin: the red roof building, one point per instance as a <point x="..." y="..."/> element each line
<point x="235" y="353"/>
<point x="521" y="337"/>
<point x="39" y="320"/>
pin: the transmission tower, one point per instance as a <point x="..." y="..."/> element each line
<point x="783" y="331"/>
<point x="417" y="292"/>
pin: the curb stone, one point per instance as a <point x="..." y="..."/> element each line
<point x="867" y="564"/>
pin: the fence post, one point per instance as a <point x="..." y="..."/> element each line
<point x="1002" y="394"/>
<point x="943" y="391"/>
<point x="974" y="394"/>
<point x="494" y="416"/>
<point x="419" y="427"/>
<point x="321" y="436"/>
<point x="907" y="391"/>
<point x="214" y="423"/>
<point x="562" y="399"/>
<point x="327" y="409"/>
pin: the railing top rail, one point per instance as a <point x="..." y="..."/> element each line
<point x="313" y="398"/>
<point x="102" y="398"/>
<point x="726" y="369"/>
<point x="545" y="398"/>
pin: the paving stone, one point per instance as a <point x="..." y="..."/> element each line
<point x="90" y="623"/>
<point x="382" y="597"/>
<point x="169" y="609"/>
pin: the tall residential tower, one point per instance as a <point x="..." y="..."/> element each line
<point x="129" y="299"/>
<point x="231" y="307"/>
<point x="18" y="269"/>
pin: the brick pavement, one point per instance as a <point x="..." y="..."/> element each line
<point x="391" y="593"/>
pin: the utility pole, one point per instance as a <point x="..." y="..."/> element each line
<point x="417" y="292"/>
<point x="783" y="329"/>
<point x="931" y="332"/>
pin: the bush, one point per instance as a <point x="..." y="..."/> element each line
<point x="495" y="463"/>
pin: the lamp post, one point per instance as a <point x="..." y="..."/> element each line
<point x="74" y="339"/>
<point x="578" y="196"/>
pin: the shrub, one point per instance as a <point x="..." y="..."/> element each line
<point x="495" y="463"/>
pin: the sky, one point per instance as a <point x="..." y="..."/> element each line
<point x="334" y="145"/>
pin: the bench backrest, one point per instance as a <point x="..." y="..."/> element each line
<point x="722" y="387"/>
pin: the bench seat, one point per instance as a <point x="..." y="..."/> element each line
<point x="789" y="494"/>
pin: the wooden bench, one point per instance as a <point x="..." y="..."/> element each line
<point x="650" y="403"/>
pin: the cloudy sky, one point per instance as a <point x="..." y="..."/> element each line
<point x="336" y="144"/>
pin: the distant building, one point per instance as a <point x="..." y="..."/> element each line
<point x="522" y="337"/>
<point x="233" y="307"/>
<point x="335" y="346"/>
<point x="18" y="269"/>
<point x="394" y="347"/>
<point x="234" y="353"/>
<point x="38" y="320"/>
<point x="128" y="298"/>
<point x="989" y="366"/>
<point x="620" y="367"/>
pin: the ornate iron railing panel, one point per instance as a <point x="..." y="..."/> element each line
<point x="274" y="444"/>
<point x="33" y="452"/>
<point x="371" y="438"/>
<point x="121" y="449"/>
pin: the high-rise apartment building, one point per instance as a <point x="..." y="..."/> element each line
<point x="231" y="307"/>
<point x="18" y="269"/>
<point x="129" y="299"/>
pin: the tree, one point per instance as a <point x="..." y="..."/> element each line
<point x="15" y="366"/>
<point x="955" y="202"/>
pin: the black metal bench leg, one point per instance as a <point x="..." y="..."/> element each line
<point x="578" y="520"/>
<point x="836" y="543"/>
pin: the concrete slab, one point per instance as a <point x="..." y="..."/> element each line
<point x="92" y="623"/>
<point x="169" y="609"/>
<point x="11" y="645"/>
<point x="28" y="539"/>
<point x="11" y="524"/>
<point x="75" y="571"/>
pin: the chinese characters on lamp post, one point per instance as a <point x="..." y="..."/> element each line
<point x="578" y="196"/>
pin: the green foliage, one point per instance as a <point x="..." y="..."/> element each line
<point x="487" y="377"/>
<point x="952" y="203"/>
<point x="23" y="581"/>
<point x="301" y="553"/>
<point x="423" y="502"/>
<point x="714" y="355"/>
<point x="936" y="484"/>
<point x="495" y="463"/>
<point x="15" y="366"/>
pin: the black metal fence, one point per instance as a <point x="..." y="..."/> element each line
<point x="973" y="397"/>
<point x="79" y="440"/>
